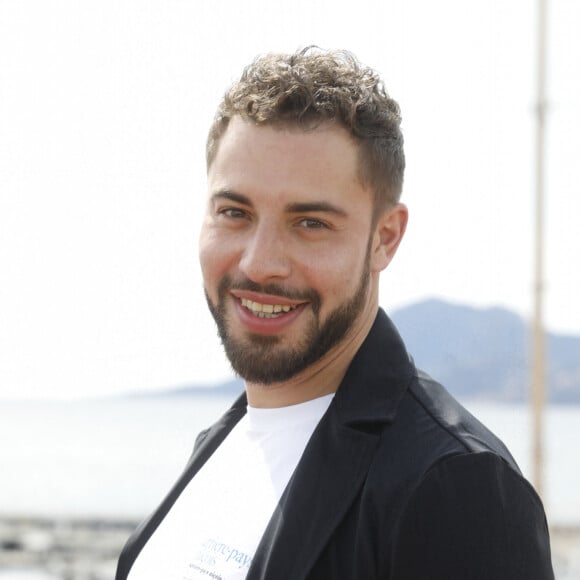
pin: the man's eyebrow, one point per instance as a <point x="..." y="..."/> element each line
<point x="231" y="196"/>
<point x="315" y="206"/>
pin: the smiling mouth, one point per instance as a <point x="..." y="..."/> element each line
<point x="266" y="310"/>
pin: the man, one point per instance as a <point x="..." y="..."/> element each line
<point x="341" y="460"/>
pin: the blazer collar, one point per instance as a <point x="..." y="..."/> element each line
<point x="377" y="377"/>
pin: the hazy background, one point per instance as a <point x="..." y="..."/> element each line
<point x="104" y="109"/>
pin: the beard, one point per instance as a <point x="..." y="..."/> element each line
<point x="256" y="359"/>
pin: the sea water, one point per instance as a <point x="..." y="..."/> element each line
<point x="117" y="458"/>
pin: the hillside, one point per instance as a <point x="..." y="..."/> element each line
<point x="485" y="353"/>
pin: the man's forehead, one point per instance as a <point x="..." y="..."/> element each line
<point x="238" y="127"/>
<point x="326" y="141"/>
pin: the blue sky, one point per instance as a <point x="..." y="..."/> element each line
<point x="104" y="108"/>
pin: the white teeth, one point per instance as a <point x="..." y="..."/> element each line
<point x="266" y="310"/>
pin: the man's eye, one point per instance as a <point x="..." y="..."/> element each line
<point x="312" y="224"/>
<point x="232" y="212"/>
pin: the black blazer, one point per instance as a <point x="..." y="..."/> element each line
<point x="398" y="482"/>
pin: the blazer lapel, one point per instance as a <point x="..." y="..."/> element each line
<point x="337" y="458"/>
<point x="335" y="464"/>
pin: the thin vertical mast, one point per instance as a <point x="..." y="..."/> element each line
<point x="538" y="354"/>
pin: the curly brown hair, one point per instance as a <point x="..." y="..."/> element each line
<point x="311" y="87"/>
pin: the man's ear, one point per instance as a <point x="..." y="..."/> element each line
<point x="387" y="236"/>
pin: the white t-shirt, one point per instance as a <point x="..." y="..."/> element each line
<point x="214" y="528"/>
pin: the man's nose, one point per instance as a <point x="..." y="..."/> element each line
<point x="265" y="256"/>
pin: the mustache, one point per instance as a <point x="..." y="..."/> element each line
<point x="227" y="284"/>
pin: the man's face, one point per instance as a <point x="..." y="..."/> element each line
<point x="285" y="247"/>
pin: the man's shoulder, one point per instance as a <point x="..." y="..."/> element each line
<point x="435" y="447"/>
<point x="429" y="428"/>
<point x="438" y="423"/>
<point x="448" y="420"/>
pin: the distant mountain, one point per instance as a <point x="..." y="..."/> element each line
<point x="485" y="353"/>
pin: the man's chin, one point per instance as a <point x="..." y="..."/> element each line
<point x="262" y="362"/>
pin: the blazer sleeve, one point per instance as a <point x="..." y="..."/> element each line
<point x="473" y="517"/>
